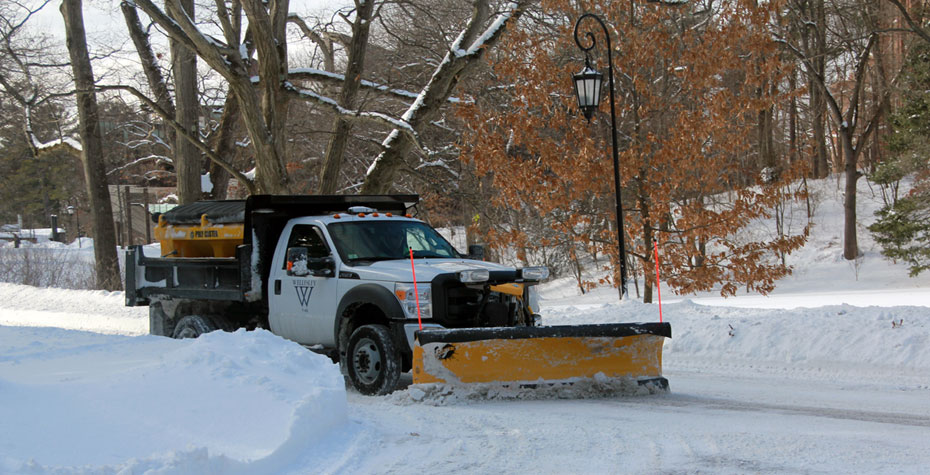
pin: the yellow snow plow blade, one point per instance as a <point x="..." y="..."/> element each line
<point x="529" y="355"/>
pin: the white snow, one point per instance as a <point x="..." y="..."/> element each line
<point x="245" y="402"/>
<point x="70" y="142"/>
<point x="206" y="185"/>
<point x="829" y="374"/>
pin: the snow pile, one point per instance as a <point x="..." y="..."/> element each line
<point x="835" y="341"/>
<point x="244" y="402"/>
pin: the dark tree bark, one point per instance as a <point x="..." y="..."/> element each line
<point x="107" y="264"/>
<point x="224" y="146"/>
<point x="818" y="101"/>
<point x="332" y="163"/>
<point x="187" y="159"/>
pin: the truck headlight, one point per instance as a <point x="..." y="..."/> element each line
<point x="474" y="276"/>
<point x="535" y="273"/>
<point x="408" y="299"/>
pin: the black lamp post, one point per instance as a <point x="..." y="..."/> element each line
<point x="72" y="211"/>
<point x="588" y="89"/>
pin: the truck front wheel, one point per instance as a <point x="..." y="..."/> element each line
<point x="193" y="326"/>
<point x="372" y="360"/>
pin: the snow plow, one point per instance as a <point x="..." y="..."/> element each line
<point x="528" y="356"/>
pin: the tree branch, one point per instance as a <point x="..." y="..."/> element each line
<point x="180" y="130"/>
<point x="910" y="21"/>
<point x="325" y="44"/>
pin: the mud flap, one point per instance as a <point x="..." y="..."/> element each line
<point x="530" y="355"/>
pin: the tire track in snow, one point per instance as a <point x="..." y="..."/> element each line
<point x="722" y="404"/>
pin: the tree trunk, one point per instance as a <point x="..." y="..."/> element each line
<point x="107" y="264"/>
<point x="793" y="146"/>
<point x="270" y="174"/>
<point x="648" y="265"/>
<point x="332" y="163"/>
<point x="818" y="99"/>
<point x="766" y="139"/>
<point x="187" y="159"/>
<point x="224" y="146"/>
<point x="268" y="22"/>
<point x="850" y="240"/>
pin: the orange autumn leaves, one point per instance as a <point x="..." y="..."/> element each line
<point x="690" y="89"/>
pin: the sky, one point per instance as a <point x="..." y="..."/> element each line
<point x="103" y="18"/>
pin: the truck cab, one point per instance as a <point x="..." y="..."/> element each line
<point x="336" y="275"/>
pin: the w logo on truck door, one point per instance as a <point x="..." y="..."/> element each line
<point x="303" y="288"/>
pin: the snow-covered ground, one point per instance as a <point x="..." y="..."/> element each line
<point x="829" y="374"/>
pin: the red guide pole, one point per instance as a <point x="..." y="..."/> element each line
<point x="416" y="292"/>
<point x="658" y="282"/>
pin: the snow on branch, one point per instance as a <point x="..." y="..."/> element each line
<point x="313" y="74"/>
<point x="156" y="158"/>
<point x="439" y="164"/>
<point x="349" y="114"/>
<point x="493" y="30"/>
<point x="460" y="57"/>
<point x="65" y="143"/>
<point x="209" y="49"/>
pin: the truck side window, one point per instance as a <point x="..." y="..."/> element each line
<point x="310" y="237"/>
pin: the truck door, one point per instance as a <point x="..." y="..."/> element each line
<point x="302" y="288"/>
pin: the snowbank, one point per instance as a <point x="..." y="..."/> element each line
<point x="837" y="342"/>
<point x="92" y="310"/>
<point x="226" y="402"/>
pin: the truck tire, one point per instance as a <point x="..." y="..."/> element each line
<point x="372" y="360"/>
<point x="193" y="326"/>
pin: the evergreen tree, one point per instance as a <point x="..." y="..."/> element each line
<point x="903" y="226"/>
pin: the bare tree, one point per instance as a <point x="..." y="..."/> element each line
<point x="856" y="34"/>
<point x="332" y="163"/>
<point x="107" y="264"/>
<point x="463" y="54"/>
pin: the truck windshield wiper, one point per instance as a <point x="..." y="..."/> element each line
<point x="369" y="260"/>
<point x="429" y="254"/>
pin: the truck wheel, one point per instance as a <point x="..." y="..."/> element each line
<point x="372" y="360"/>
<point x="193" y="326"/>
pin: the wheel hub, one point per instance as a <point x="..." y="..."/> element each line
<point x="367" y="361"/>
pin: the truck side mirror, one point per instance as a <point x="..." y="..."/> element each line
<point x="476" y="252"/>
<point x="321" y="266"/>
<point x="297" y="262"/>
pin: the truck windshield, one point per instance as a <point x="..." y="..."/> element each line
<point x="361" y="241"/>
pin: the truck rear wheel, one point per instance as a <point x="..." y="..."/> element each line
<point x="193" y="326"/>
<point x="372" y="360"/>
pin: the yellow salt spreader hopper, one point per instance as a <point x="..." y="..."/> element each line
<point x="528" y="356"/>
